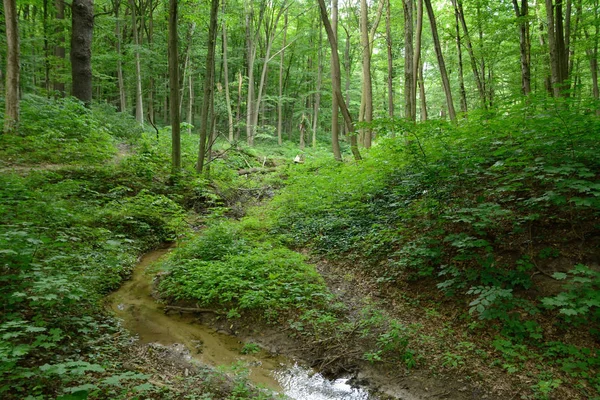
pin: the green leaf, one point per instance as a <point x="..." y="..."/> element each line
<point x="559" y="275"/>
<point x="568" y="311"/>
<point x="81" y="395"/>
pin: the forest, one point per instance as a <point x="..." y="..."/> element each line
<point x="401" y="193"/>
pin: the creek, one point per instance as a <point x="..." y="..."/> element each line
<point x="143" y="316"/>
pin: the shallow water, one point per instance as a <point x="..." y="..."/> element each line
<point x="141" y="315"/>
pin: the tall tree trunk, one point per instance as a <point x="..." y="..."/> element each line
<point x="151" y="81"/>
<point x="226" y="79"/>
<point x="556" y="46"/>
<point x="417" y="64"/>
<point x="522" y="14"/>
<point x="572" y="44"/>
<point x="280" y="98"/>
<point x="208" y="85"/>
<point x="592" y="54"/>
<point x="482" y="64"/>
<point x="476" y="74"/>
<point x="390" y="60"/>
<point x="335" y="124"/>
<point x="190" y="110"/>
<point x="563" y="27"/>
<point x="317" y="102"/>
<point x="440" y="58"/>
<point x="251" y="49"/>
<point x="174" y="89"/>
<point x="461" y="77"/>
<point x="410" y="108"/>
<point x="82" y="19"/>
<point x="336" y="81"/>
<point x="59" y="50"/>
<point x="187" y="62"/>
<point x="11" y="100"/>
<point x="422" y="98"/>
<point x="367" y="93"/>
<point x="139" y="100"/>
<point x="348" y="74"/>
<point x="46" y="47"/>
<point x="270" y="29"/>
<point x="120" y="80"/>
<point x="238" y="112"/>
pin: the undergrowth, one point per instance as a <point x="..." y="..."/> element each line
<point x="68" y="236"/>
<point x="492" y="210"/>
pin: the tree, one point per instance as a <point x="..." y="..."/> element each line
<point x="336" y="81"/>
<point x="120" y="80"/>
<point x="271" y="21"/>
<point x="335" y="78"/>
<point x="592" y="51"/>
<point x="467" y="39"/>
<point x="280" y="98"/>
<point x="524" y="44"/>
<point x="317" y="102"/>
<point x="410" y="108"/>
<point x="440" y="59"/>
<point x="174" y="89"/>
<point x="208" y="86"/>
<point x="390" y="59"/>
<point x="11" y="113"/>
<point x="226" y="78"/>
<point x="59" y="49"/>
<point x="558" y="49"/>
<point x="417" y="73"/>
<point x="139" y="102"/>
<point x="367" y="92"/>
<point x="82" y="29"/>
<point x="461" y="77"/>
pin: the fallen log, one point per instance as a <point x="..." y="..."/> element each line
<point x="256" y="171"/>
<point x="191" y="310"/>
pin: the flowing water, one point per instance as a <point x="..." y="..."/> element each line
<point x="141" y="315"/>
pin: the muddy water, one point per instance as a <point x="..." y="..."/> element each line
<point x="141" y="315"/>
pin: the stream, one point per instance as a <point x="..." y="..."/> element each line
<point x="144" y="317"/>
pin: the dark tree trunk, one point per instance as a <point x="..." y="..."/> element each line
<point x="59" y="50"/>
<point x="174" y="89"/>
<point x="521" y="14"/>
<point x="461" y="77"/>
<point x="11" y="115"/>
<point x="476" y="74"/>
<point x="82" y="18"/>
<point x="208" y="86"/>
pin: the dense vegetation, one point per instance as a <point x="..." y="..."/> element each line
<point x="464" y="246"/>
<point x="499" y="213"/>
<point x="75" y="217"/>
<point x="491" y="224"/>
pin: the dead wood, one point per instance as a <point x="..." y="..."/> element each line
<point x="192" y="310"/>
<point x="256" y="171"/>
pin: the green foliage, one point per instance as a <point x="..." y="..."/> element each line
<point x="63" y="131"/>
<point x="250" y="348"/>
<point x="221" y="269"/>
<point x="481" y="206"/>
<point x="67" y="237"/>
<point x="580" y="302"/>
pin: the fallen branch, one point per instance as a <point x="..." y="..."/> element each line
<point x="256" y="171"/>
<point x="192" y="310"/>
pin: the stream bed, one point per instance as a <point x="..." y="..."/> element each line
<point x="144" y="317"/>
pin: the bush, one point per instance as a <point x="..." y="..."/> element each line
<point x="223" y="270"/>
